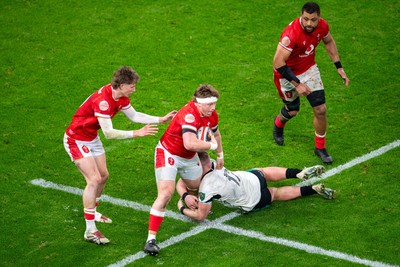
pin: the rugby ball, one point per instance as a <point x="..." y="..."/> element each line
<point x="204" y="134"/>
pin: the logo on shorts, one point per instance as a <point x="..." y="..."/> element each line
<point x="289" y="94"/>
<point x="189" y="118"/>
<point x="171" y="161"/>
<point x="85" y="149"/>
<point x="104" y="105"/>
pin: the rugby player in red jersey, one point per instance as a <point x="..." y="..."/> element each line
<point x="83" y="145"/>
<point x="176" y="153"/>
<point x="296" y="73"/>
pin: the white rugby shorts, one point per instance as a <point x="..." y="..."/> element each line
<point x="167" y="166"/>
<point x="312" y="78"/>
<point x="81" y="149"/>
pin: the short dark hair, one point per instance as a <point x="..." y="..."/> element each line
<point x="124" y="75"/>
<point x="311" y="7"/>
<point x="205" y="90"/>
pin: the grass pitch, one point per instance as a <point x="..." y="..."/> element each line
<point x="54" y="54"/>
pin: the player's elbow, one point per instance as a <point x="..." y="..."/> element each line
<point x="109" y="134"/>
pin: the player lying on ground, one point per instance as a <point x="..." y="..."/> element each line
<point x="246" y="190"/>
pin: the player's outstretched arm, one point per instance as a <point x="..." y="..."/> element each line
<point x="111" y="133"/>
<point x="168" y="117"/>
<point x="140" y="117"/>
<point x="149" y="129"/>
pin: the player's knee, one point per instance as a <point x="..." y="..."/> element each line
<point x="287" y="113"/>
<point x="93" y="182"/>
<point x="272" y="191"/>
<point x="316" y="98"/>
<point x="165" y="193"/>
<point x="320" y="110"/>
<point x="104" y="176"/>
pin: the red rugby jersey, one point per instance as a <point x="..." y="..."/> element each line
<point x="84" y="125"/>
<point x="302" y="45"/>
<point x="187" y="118"/>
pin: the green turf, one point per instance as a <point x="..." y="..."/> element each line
<point x="54" y="54"/>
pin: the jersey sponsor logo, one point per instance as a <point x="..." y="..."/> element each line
<point x="189" y="118"/>
<point x="104" y="105"/>
<point x="286" y="41"/>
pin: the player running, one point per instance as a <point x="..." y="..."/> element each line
<point x="296" y="73"/>
<point x="177" y="153"/>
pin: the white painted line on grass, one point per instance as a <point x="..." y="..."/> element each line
<point x="300" y="246"/>
<point x="105" y="198"/>
<point x="218" y="223"/>
<point x="178" y="238"/>
<point x="352" y="163"/>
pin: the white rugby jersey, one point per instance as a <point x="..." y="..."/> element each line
<point x="238" y="189"/>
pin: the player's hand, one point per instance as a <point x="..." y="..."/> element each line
<point x="303" y="89"/>
<point x="149" y="129"/>
<point x="168" y="117"/>
<point x="213" y="140"/>
<point x="342" y="74"/>
<point x="191" y="202"/>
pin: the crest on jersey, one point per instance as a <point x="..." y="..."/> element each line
<point x="286" y="41"/>
<point x="189" y="118"/>
<point x="104" y="105"/>
<point x="171" y="161"/>
<point x="202" y="196"/>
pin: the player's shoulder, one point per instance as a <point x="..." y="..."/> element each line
<point x="291" y="33"/>
<point x="323" y="25"/>
<point x="293" y="25"/>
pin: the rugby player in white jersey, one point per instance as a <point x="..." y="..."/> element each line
<point x="245" y="190"/>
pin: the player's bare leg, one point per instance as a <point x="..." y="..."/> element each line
<point x="89" y="170"/>
<point x="102" y="167"/>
